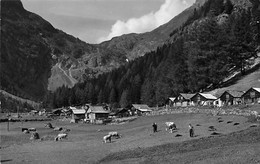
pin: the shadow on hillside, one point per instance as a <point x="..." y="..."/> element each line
<point x="6" y="160"/>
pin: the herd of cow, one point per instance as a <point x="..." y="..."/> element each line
<point x="35" y="135"/>
<point x="170" y="126"/>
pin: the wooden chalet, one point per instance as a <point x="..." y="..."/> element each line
<point x="97" y="114"/>
<point x="251" y="96"/>
<point x="203" y="99"/>
<point x="78" y="114"/>
<point x="57" y="111"/>
<point x="171" y="102"/>
<point x="141" y="109"/>
<point x="184" y="99"/>
<point x="231" y="97"/>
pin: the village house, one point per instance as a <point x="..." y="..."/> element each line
<point x="57" y="111"/>
<point x="171" y="102"/>
<point x="184" y="99"/>
<point x="231" y="97"/>
<point x="203" y="99"/>
<point x="97" y="114"/>
<point x="33" y="112"/>
<point x="251" y="96"/>
<point x="140" y="109"/>
<point x="78" y="114"/>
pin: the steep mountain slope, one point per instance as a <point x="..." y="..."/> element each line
<point x="25" y="60"/>
<point x="31" y="50"/>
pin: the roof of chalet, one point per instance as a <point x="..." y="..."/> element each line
<point x="257" y="89"/>
<point x="172" y="98"/>
<point x="235" y="93"/>
<point x="187" y="96"/>
<point x="142" y="107"/>
<point x="73" y="108"/>
<point x="78" y="111"/>
<point x="97" y="109"/>
<point x="208" y="96"/>
<point x="33" y="111"/>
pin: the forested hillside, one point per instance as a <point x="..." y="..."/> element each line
<point x="13" y="104"/>
<point x="216" y="40"/>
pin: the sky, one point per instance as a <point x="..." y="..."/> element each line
<point x="94" y="21"/>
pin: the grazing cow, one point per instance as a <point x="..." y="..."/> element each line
<point x="114" y="134"/>
<point x="49" y="125"/>
<point x="107" y="138"/>
<point x="61" y="136"/>
<point x="35" y="136"/>
<point x="25" y="130"/>
<point x="32" y="129"/>
<point x="171" y="126"/>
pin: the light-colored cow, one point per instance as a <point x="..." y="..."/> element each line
<point x="107" y="138"/>
<point x="61" y="136"/>
<point x="32" y="129"/>
<point x="170" y="126"/>
<point x="114" y="134"/>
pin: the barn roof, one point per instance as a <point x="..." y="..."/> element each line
<point x="257" y="89"/>
<point x="187" y="96"/>
<point x="208" y="96"/>
<point x="142" y="107"/>
<point x="78" y="111"/>
<point x="97" y="109"/>
<point x="172" y="98"/>
<point x="235" y="93"/>
<point x="73" y="108"/>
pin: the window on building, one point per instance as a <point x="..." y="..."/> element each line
<point x="252" y="94"/>
<point x="227" y="96"/>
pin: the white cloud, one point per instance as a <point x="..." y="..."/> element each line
<point x="148" y="22"/>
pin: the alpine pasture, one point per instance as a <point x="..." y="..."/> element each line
<point x="84" y="142"/>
